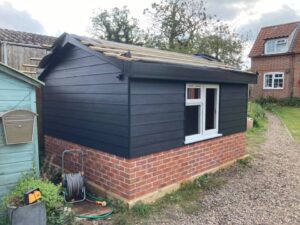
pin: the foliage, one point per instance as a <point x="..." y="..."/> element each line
<point x="292" y="102"/>
<point x="177" y="21"/>
<point x="245" y="162"/>
<point x="50" y="196"/>
<point x="269" y="103"/>
<point x="50" y="172"/>
<point x="177" y="25"/>
<point x="61" y="215"/>
<point x="50" y="193"/>
<point x="141" y="209"/>
<point x="222" y="43"/>
<point x="209" y="182"/>
<point x="257" y="113"/>
<point x="116" y="25"/>
<point x="256" y="135"/>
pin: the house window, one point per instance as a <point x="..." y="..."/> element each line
<point x="201" y="112"/>
<point x="276" y="46"/>
<point x="274" y="80"/>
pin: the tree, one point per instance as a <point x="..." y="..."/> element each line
<point x="116" y="25"/>
<point x="221" y="42"/>
<point x="185" y="26"/>
<point x="177" y="21"/>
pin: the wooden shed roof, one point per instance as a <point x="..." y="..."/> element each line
<point x="141" y="62"/>
<point x="128" y="52"/>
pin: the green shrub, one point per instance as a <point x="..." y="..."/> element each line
<point x="270" y="102"/>
<point x="292" y="102"/>
<point x="50" y="192"/>
<point x="256" y="112"/>
<point x="50" y="196"/>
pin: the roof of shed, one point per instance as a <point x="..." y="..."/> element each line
<point x="136" y="61"/>
<point x="276" y="31"/>
<point x="128" y="52"/>
<point x="21" y="76"/>
<point x="25" y="37"/>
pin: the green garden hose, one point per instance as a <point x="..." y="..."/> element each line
<point x="93" y="198"/>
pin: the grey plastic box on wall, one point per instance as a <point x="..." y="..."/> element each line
<point x="18" y="126"/>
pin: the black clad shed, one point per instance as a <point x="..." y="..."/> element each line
<point x="132" y="101"/>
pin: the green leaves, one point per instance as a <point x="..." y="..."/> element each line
<point x="116" y="25"/>
<point x="51" y="196"/>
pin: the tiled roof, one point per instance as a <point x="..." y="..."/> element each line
<point x="277" y="31"/>
<point x="25" y="38"/>
<point x="136" y="53"/>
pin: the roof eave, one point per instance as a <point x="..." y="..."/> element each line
<point x="21" y="76"/>
<point x="163" y="71"/>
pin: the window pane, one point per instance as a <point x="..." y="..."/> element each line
<point x="270" y="46"/>
<point x="278" y="82"/>
<point x="281" y="47"/>
<point x="210" y="116"/>
<point x="268" y="80"/>
<point x="192" y="120"/>
<point x="194" y="93"/>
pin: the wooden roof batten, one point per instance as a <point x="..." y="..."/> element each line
<point x="138" y="53"/>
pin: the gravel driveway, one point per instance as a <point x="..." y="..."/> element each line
<point x="266" y="193"/>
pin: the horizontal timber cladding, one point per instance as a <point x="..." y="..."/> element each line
<point x="233" y="108"/>
<point x="157" y="114"/>
<point x="85" y="102"/>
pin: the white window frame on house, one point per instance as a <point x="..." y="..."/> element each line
<point x="273" y="74"/>
<point x="277" y="43"/>
<point x="203" y="134"/>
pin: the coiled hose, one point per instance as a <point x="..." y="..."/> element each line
<point x="74" y="184"/>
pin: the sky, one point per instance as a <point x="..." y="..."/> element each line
<point x="53" y="17"/>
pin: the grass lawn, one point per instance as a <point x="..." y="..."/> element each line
<point x="291" y="118"/>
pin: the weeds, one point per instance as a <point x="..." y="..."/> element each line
<point x="141" y="210"/>
<point x="245" y="162"/>
<point x="257" y="113"/>
<point x="188" y="197"/>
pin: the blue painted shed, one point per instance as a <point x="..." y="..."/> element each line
<point x="17" y="101"/>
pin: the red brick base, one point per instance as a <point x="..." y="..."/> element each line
<point x="130" y="179"/>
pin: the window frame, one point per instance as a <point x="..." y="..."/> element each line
<point x="273" y="79"/>
<point x="203" y="133"/>
<point x="275" y="47"/>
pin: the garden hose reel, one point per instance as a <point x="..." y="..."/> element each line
<point x="73" y="183"/>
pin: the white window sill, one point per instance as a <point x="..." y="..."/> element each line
<point x="196" y="138"/>
<point x="273" y="88"/>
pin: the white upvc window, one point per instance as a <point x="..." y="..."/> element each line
<point x="274" y="80"/>
<point x="201" y="112"/>
<point x="275" y="46"/>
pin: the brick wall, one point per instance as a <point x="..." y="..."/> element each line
<point x="296" y="89"/>
<point x="133" y="178"/>
<point x="272" y="64"/>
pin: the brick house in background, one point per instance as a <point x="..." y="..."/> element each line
<point x="275" y="56"/>
<point x="22" y="50"/>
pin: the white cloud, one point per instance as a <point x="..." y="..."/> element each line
<point x="14" y="19"/>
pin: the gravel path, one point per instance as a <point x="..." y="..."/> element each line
<point x="266" y="193"/>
